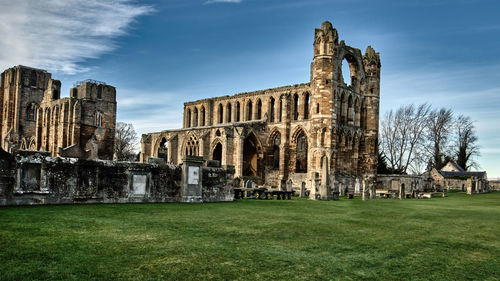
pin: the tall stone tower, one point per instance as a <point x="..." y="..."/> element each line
<point x="344" y="113"/>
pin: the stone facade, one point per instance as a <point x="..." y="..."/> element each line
<point x="286" y="133"/>
<point x="35" y="117"/>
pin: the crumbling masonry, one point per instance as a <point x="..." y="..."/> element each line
<point x="286" y="133"/>
<point x="34" y="117"/>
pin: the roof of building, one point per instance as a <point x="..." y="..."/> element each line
<point x="462" y="174"/>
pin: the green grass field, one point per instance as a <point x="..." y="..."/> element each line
<point x="454" y="238"/>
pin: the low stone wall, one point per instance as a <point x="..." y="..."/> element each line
<point x="409" y="182"/>
<point x="494" y="185"/>
<point x="36" y="178"/>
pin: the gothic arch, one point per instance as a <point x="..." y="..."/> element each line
<point x="191" y="145"/>
<point x="252" y="155"/>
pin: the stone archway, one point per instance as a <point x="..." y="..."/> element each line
<point x="217" y="153"/>
<point x="250" y="156"/>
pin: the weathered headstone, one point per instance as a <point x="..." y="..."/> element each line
<point x="364" y="186"/>
<point x="282" y="185"/>
<point x="314" y="188"/>
<point x="303" y="190"/>
<point x="469" y="186"/>
<point x="191" y="179"/>
<point x="402" y="191"/>
<point x="289" y="185"/>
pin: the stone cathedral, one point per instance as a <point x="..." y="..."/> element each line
<point x="287" y="133"/>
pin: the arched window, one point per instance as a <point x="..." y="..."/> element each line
<point x="99" y="92"/>
<point x="195" y="117"/>
<point x="217" y="153"/>
<point x="238" y="111"/>
<point x="55" y="94"/>
<point x="188" y="118"/>
<point x="295" y="107"/>
<point x="301" y="153"/>
<point x="350" y="111"/>
<point x="276" y="151"/>
<point x="32" y="112"/>
<point x="306" y="106"/>
<point x="192" y="146"/>
<point x="163" y="149"/>
<point x="221" y="113"/>
<point x="97" y="119"/>
<point x="280" y="114"/>
<point x="33" y="79"/>
<point x="228" y="112"/>
<point x="202" y="113"/>
<point x="271" y="110"/>
<point x="249" y="110"/>
<point x="259" y="109"/>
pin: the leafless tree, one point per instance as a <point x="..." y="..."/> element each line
<point x="466" y="147"/>
<point x="438" y="132"/>
<point x="402" y="135"/>
<point x="125" y="142"/>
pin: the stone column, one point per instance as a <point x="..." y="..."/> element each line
<point x="191" y="190"/>
<point x="169" y="151"/>
<point x="239" y="157"/>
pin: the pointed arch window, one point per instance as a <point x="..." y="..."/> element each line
<point x="259" y="109"/>
<point x="276" y="151"/>
<point x="192" y="145"/>
<point x="301" y="153"/>
<point x="98" y="119"/>
<point x="271" y="110"/>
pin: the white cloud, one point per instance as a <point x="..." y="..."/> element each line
<point x="223" y="1"/>
<point x="59" y="34"/>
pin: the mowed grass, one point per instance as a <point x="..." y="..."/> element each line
<point x="454" y="238"/>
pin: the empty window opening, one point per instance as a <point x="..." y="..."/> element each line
<point x="306" y="106"/>
<point x="249" y="110"/>
<point x="301" y="153"/>
<point x="221" y="114"/>
<point x="163" y="149"/>
<point x="295" y="107"/>
<point x="250" y="156"/>
<point x="228" y="112"/>
<point x="271" y="110"/>
<point x="217" y="153"/>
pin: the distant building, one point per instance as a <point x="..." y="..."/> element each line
<point x="286" y="133"/>
<point x="452" y="176"/>
<point x="34" y="117"/>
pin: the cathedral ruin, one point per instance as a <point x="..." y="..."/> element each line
<point x="287" y="133"/>
<point x="33" y="116"/>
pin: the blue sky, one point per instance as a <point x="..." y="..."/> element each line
<point x="161" y="54"/>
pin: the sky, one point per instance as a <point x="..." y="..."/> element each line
<point x="160" y="54"/>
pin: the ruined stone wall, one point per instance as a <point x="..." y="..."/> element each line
<point x="292" y="128"/>
<point x="393" y="182"/>
<point x="34" y="117"/>
<point x="36" y="178"/>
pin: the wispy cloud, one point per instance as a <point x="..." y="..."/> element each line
<point x="223" y="1"/>
<point x="59" y="34"/>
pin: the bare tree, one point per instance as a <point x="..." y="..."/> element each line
<point x="466" y="147"/>
<point x="439" y="130"/>
<point x="125" y="141"/>
<point x="401" y="136"/>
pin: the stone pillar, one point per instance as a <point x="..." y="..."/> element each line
<point x="325" y="189"/>
<point x="191" y="189"/>
<point x="169" y="151"/>
<point x="402" y="191"/>
<point x="239" y="157"/>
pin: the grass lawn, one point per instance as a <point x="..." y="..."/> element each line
<point x="454" y="238"/>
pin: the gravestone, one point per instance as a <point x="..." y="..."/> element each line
<point x="313" y="195"/>
<point x="282" y="185"/>
<point x="191" y="190"/>
<point x="303" y="190"/>
<point x="289" y="185"/>
<point x="325" y="188"/>
<point x="402" y="191"/>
